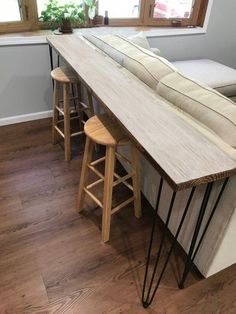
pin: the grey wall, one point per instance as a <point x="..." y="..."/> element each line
<point x="25" y="85"/>
<point x="219" y="43"/>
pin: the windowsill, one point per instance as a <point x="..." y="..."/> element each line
<point x="39" y="37"/>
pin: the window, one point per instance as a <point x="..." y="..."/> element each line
<point x="10" y="11"/>
<point x="176" y="12"/>
<point x="120" y="9"/>
<point x="154" y="12"/>
<point x="17" y="15"/>
<point x="22" y="15"/>
<point x="172" y="9"/>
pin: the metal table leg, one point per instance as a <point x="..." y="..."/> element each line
<point x="192" y="254"/>
<point x="149" y="290"/>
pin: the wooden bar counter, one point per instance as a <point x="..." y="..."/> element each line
<point x="181" y="154"/>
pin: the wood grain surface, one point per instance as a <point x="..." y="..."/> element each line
<point x="101" y="130"/>
<point x="217" y="294"/>
<point x="64" y="75"/>
<point x="179" y="152"/>
<point x="52" y="259"/>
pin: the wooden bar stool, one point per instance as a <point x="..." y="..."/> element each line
<point x="65" y="77"/>
<point x="103" y="131"/>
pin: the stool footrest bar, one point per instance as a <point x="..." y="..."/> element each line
<point x="115" y="209"/>
<point x="71" y="98"/>
<point x="77" y="133"/>
<point x="98" y="173"/>
<point x="60" y="110"/>
<point x="93" y="197"/>
<point x="94" y="184"/>
<point x="123" y="180"/>
<point x="59" y="131"/>
<point x="71" y="118"/>
<point x="97" y="161"/>
<point x="83" y="105"/>
<point x="75" y="117"/>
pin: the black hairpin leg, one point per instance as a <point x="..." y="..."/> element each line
<point x="51" y="62"/>
<point x="144" y="301"/>
<point x="51" y="58"/>
<point x="150" y="291"/>
<point x="73" y="94"/>
<point x="147" y="300"/>
<point x="192" y="254"/>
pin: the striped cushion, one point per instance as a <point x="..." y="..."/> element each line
<point x="144" y="64"/>
<point x="206" y="105"/>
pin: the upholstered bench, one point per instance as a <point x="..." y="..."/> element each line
<point x="206" y="110"/>
<point x="214" y="74"/>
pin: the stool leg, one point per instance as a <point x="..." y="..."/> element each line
<point x="55" y="112"/>
<point x="107" y="194"/>
<point x="84" y="172"/>
<point x="66" y="89"/>
<point x="136" y="181"/>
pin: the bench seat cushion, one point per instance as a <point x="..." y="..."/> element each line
<point x="204" y="104"/>
<point x="214" y="74"/>
<point x="144" y="64"/>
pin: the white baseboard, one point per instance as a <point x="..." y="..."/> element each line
<point x="25" y="117"/>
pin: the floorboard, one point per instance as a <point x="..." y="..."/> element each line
<point x="52" y="259"/>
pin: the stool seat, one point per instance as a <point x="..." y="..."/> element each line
<point x="64" y="75"/>
<point x="104" y="131"/>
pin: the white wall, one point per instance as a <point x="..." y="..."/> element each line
<point x="25" y="85"/>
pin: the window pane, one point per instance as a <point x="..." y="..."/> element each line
<point x="9" y="11"/>
<point x="42" y="4"/>
<point x="173" y="8"/>
<point x="120" y="9"/>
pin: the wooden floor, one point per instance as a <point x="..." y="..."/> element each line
<point x="52" y="259"/>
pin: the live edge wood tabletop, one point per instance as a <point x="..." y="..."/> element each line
<point x="183" y="156"/>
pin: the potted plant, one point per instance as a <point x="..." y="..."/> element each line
<point x="92" y="8"/>
<point x="92" y="12"/>
<point x="63" y="16"/>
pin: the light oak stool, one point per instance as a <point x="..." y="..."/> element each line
<point x="103" y="131"/>
<point x="64" y="77"/>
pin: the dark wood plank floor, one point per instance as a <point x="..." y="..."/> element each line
<point x="216" y="294"/>
<point x="52" y="259"/>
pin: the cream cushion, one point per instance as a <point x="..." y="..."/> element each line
<point x="144" y="64"/>
<point x="214" y="74"/>
<point x="204" y="104"/>
<point x="141" y="40"/>
<point x="115" y="54"/>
